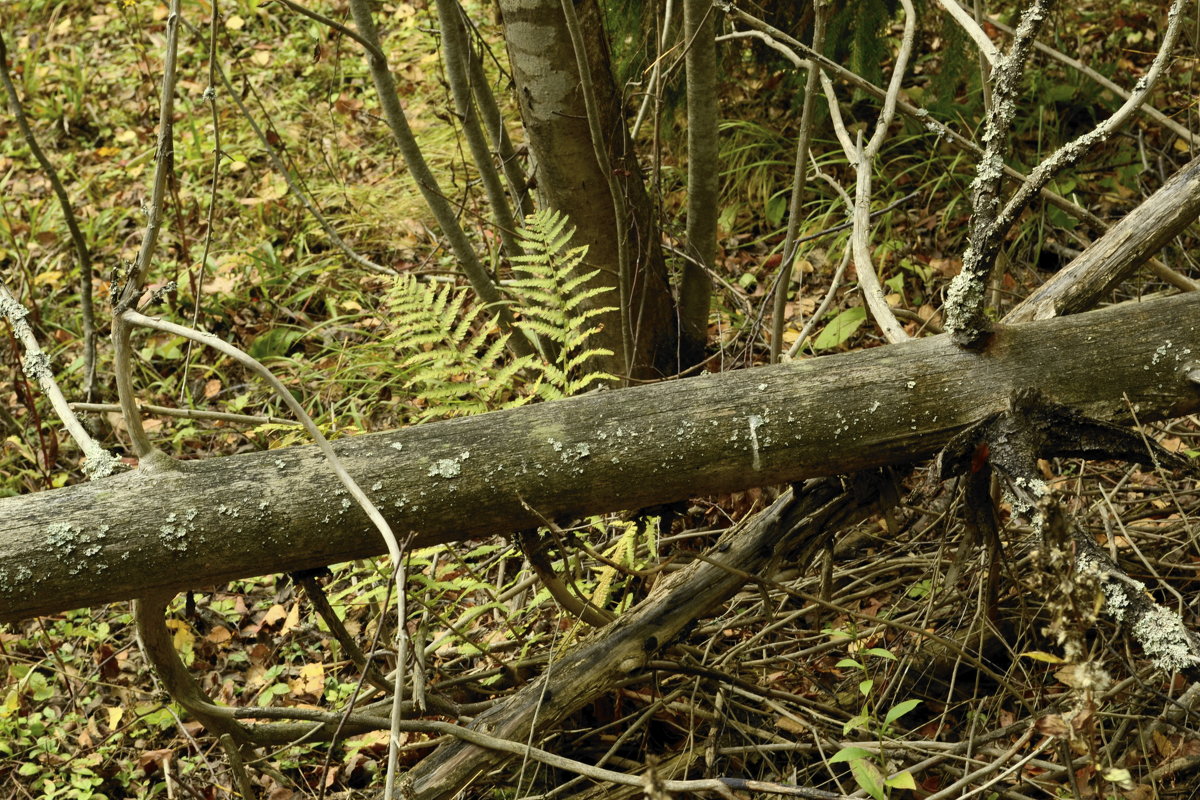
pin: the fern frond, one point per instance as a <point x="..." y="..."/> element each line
<point x="453" y="356"/>
<point x="570" y="285"/>
<point x="556" y="303"/>
<point x="580" y="359"/>
<point x="451" y="350"/>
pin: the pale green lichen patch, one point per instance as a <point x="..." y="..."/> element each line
<point x="12" y="309"/>
<point x="448" y="467"/>
<point x="37" y="366"/>
<point x="77" y="549"/>
<point x="62" y="537"/>
<point x="174" y="533"/>
<point x="571" y="452"/>
<point x="1166" y="640"/>
<point x="17" y="581"/>
<point x="1161" y="632"/>
<point x="100" y="464"/>
<point x="177" y="533"/>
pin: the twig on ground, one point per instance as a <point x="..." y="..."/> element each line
<point x="186" y="413"/>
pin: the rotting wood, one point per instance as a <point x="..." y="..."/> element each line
<point x="1122" y="249"/>
<point x="795" y="524"/>
<point x="224" y="518"/>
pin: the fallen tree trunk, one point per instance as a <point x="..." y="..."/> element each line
<point x="1123" y="248"/>
<point x="211" y="521"/>
<point x="793" y="527"/>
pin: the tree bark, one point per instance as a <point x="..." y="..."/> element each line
<point x="570" y="179"/>
<point x="225" y="518"/>
<point x="695" y="284"/>
<point x="1123" y="248"/>
<point x="793" y="527"/>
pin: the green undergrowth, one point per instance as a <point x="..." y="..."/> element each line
<point x="362" y="351"/>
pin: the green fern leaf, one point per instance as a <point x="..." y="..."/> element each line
<point x="453" y="358"/>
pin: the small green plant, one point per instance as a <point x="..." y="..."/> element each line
<point x="868" y="766"/>
<point x="455" y="359"/>
<point x="843" y="325"/>
<point x="553" y="299"/>
<point x="456" y="363"/>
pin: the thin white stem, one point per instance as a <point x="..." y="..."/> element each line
<point x="835" y="119"/>
<point x="986" y="46"/>
<point x="187" y="413"/>
<point x="862" y="158"/>
<point x="826" y="302"/>
<point x="655" y="72"/>
<point x="397" y="715"/>
<point x="985" y="66"/>
<point x="132" y="318"/>
<point x="864" y="267"/>
<point x="888" y="112"/>
<point x="771" y="42"/>
<point x="98" y="462"/>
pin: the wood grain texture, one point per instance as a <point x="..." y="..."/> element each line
<point x="1122" y="249"/>
<point x="224" y="518"/>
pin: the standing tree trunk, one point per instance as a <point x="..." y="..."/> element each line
<point x="570" y="178"/>
<point x="695" y="287"/>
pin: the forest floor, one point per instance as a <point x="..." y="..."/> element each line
<point x="907" y="649"/>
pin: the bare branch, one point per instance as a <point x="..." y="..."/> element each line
<point x="965" y="299"/>
<point x="82" y="253"/>
<point x="703" y="185"/>
<point x="128" y="295"/>
<point x="964" y="305"/>
<point x="862" y="159"/>
<point x="799" y="181"/>
<point x="1150" y="111"/>
<point x="98" y="462"/>
<point x="187" y="413"/>
<point x="987" y="48"/>
<point x="1072" y="152"/>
